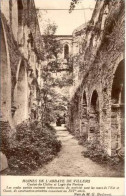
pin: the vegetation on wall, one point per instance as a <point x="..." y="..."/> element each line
<point x="95" y="151"/>
<point x="30" y="147"/>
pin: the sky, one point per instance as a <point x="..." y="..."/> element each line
<point x="66" y="22"/>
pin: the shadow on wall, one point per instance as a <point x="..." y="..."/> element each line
<point x="21" y="97"/>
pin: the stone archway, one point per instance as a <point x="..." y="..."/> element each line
<point x="5" y="75"/>
<point x="94" y="130"/>
<point x="21" y="95"/>
<point x="117" y="109"/>
<point x="84" y="119"/>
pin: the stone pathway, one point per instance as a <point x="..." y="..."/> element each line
<point x="70" y="161"/>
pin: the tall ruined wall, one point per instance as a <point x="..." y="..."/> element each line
<point x="5" y="75"/>
<point x="23" y="56"/>
<point x="103" y="54"/>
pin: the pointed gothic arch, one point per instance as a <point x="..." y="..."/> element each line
<point x="66" y="51"/>
<point x="94" y="132"/>
<point x="84" y="119"/>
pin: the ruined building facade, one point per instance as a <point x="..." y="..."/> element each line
<point x="21" y="57"/>
<point x="64" y="72"/>
<point x="96" y="108"/>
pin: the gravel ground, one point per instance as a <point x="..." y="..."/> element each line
<point x="70" y="161"/>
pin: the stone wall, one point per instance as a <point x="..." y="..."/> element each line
<point x="5" y="75"/>
<point x="23" y="58"/>
<point x="101" y="117"/>
<point x="21" y="63"/>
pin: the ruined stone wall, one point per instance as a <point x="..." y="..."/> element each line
<point x="79" y="36"/>
<point x="5" y="9"/>
<point x="21" y="59"/>
<point x="5" y="75"/>
<point x="23" y="56"/>
<point x="101" y="57"/>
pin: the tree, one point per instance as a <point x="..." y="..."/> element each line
<point x="73" y="4"/>
<point x="49" y="97"/>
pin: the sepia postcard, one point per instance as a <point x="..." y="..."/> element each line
<point x="62" y="120"/>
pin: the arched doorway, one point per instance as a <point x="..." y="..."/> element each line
<point x="5" y="75"/>
<point x="84" y="120"/>
<point x="21" y="97"/>
<point x="117" y="109"/>
<point x="94" y="132"/>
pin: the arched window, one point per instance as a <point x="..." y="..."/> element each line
<point x="20" y="12"/>
<point x="21" y="37"/>
<point x="105" y="14"/>
<point x="84" y="120"/>
<point x="10" y="8"/>
<point x="66" y="51"/>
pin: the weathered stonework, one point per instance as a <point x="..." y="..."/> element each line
<point x="21" y="61"/>
<point x="101" y="79"/>
<point x="64" y="57"/>
<point x="22" y="56"/>
<point x="5" y="74"/>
